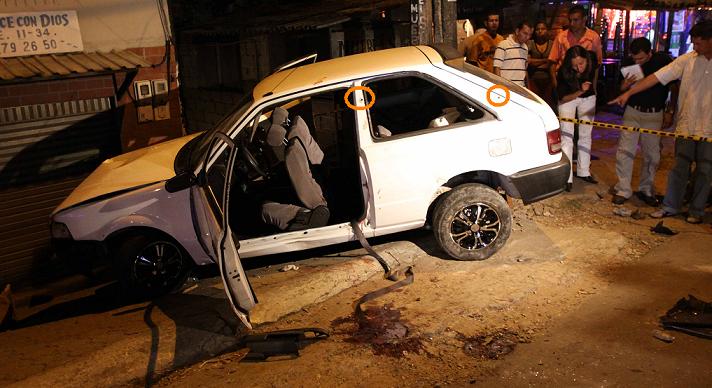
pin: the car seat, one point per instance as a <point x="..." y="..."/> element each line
<point x="301" y="153"/>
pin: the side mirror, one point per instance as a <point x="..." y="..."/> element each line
<point x="179" y="182"/>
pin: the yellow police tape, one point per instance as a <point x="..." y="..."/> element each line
<point x="636" y="129"/>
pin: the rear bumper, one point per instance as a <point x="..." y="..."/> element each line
<point x="539" y="183"/>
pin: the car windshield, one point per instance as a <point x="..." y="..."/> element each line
<point x="191" y="154"/>
<point x="465" y="67"/>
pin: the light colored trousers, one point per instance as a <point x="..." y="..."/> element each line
<point x="586" y="109"/>
<point x="649" y="147"/>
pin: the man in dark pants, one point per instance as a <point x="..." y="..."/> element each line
<point x="694" y="117"/>
<point x="644" y="110"/>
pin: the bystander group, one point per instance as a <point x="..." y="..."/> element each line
<point x="693" y="117"/>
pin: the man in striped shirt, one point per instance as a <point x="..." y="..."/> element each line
<point x="510" y="58"/>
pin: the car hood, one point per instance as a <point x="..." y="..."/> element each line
<point x="127" y="171"/>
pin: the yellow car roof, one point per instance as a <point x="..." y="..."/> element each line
<point x="345" y="68"/>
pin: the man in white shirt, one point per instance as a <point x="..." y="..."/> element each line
<point x="512" y="54"/>
<point x="694" y="117"/>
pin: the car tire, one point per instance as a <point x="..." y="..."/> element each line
<point x="461" y="232"/>
<point x="150" y="265"/>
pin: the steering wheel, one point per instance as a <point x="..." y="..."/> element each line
<point x="251" y="160"/>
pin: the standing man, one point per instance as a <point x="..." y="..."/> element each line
<point x="481" y="53"/>
<point x="577" y="35"/>
<point x="644" y="110"/>
<point x="539" y="75"/>
<point x="512" y="54"/>
<point x="694" y="117"/>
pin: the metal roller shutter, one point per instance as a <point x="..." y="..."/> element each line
<point x="45" y="152"/>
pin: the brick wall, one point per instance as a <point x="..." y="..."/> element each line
<point x="136" y="135"/>
<point x="133" y="134"/>
<point x="56" y="91"/>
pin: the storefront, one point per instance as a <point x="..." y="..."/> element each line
<point x="74" y="78"/>
<point x="665" y="24"/>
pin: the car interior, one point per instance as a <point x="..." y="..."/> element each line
<point x="271" y="193"/>
<point x="407" y="104"/>
<point x="262" y="176"/>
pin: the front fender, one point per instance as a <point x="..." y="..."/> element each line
<point x="151" y="206"/>
<point x="132" y="221"/>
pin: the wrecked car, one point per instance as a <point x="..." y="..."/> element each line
<point x="384" y="142"/>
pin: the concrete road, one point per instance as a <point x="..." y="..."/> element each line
<point x="86" y="338"/>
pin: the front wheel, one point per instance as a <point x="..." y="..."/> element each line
<point x="151" y="265"/>
<point x="472" y="222"/>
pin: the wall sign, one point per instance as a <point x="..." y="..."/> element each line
<point x="32" y="33"/>
<point x="416" y="21"/>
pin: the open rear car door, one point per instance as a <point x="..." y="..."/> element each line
<point x="210" y="200"/>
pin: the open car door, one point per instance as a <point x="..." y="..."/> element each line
<point x="210" y="200"/>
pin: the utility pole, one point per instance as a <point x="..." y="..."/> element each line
<point x="433" y="21"/>
<point x="449" y="16"/>
<point x="420" y="22"/>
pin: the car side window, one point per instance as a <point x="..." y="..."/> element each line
<point x="410" y="104"/>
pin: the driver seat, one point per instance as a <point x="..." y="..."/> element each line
<point x="301" y="153"/>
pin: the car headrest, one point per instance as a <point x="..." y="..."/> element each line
<point x="300" y="130"/>
<point x="279" y="116"/>
<point x="275" y="135"/>
<point x="383" y="131"/>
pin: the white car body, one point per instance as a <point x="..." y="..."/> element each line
<point x="401" y="176"/>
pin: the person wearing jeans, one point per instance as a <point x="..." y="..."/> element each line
<point x="687" y="151"/>
<point x="577" y="99"/>
<point x="694" y="117"/>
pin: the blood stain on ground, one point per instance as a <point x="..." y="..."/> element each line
<point x="383" y="329"/>
<point x="491" y="346"/>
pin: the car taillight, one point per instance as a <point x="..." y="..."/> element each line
<point x="553" y="140"/>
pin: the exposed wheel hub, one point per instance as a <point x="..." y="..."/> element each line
<point x="475" y="226"/>
<point x="158" y="264"/>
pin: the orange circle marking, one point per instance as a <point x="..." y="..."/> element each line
<point x="355" y="88"/>
<point x="506" y="95"/>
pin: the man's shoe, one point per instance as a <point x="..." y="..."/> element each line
<point x="649" y="200"/>
<point x="569" y="185"/>
<point x="693" y="220"/>
<point x="618" y="199"/>
<point x="660" y="213"/>
<point x="589" y="179"/>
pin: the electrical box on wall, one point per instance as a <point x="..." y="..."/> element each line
<point x="161" y="109"/>
<point x="144" y="108"/>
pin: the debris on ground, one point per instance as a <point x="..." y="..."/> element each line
<point x="663" y="336"/>
<point x="289" y="267"/>
<point x="662" y="229"/>
<point x="638" y="215"/>
<point x="492" y="346"/>
<point x="622" y="211"/>
<point x="690" y="315"/>
<point x="281" y="343"/>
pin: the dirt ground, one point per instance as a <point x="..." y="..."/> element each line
<point x="573" y="299"/>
